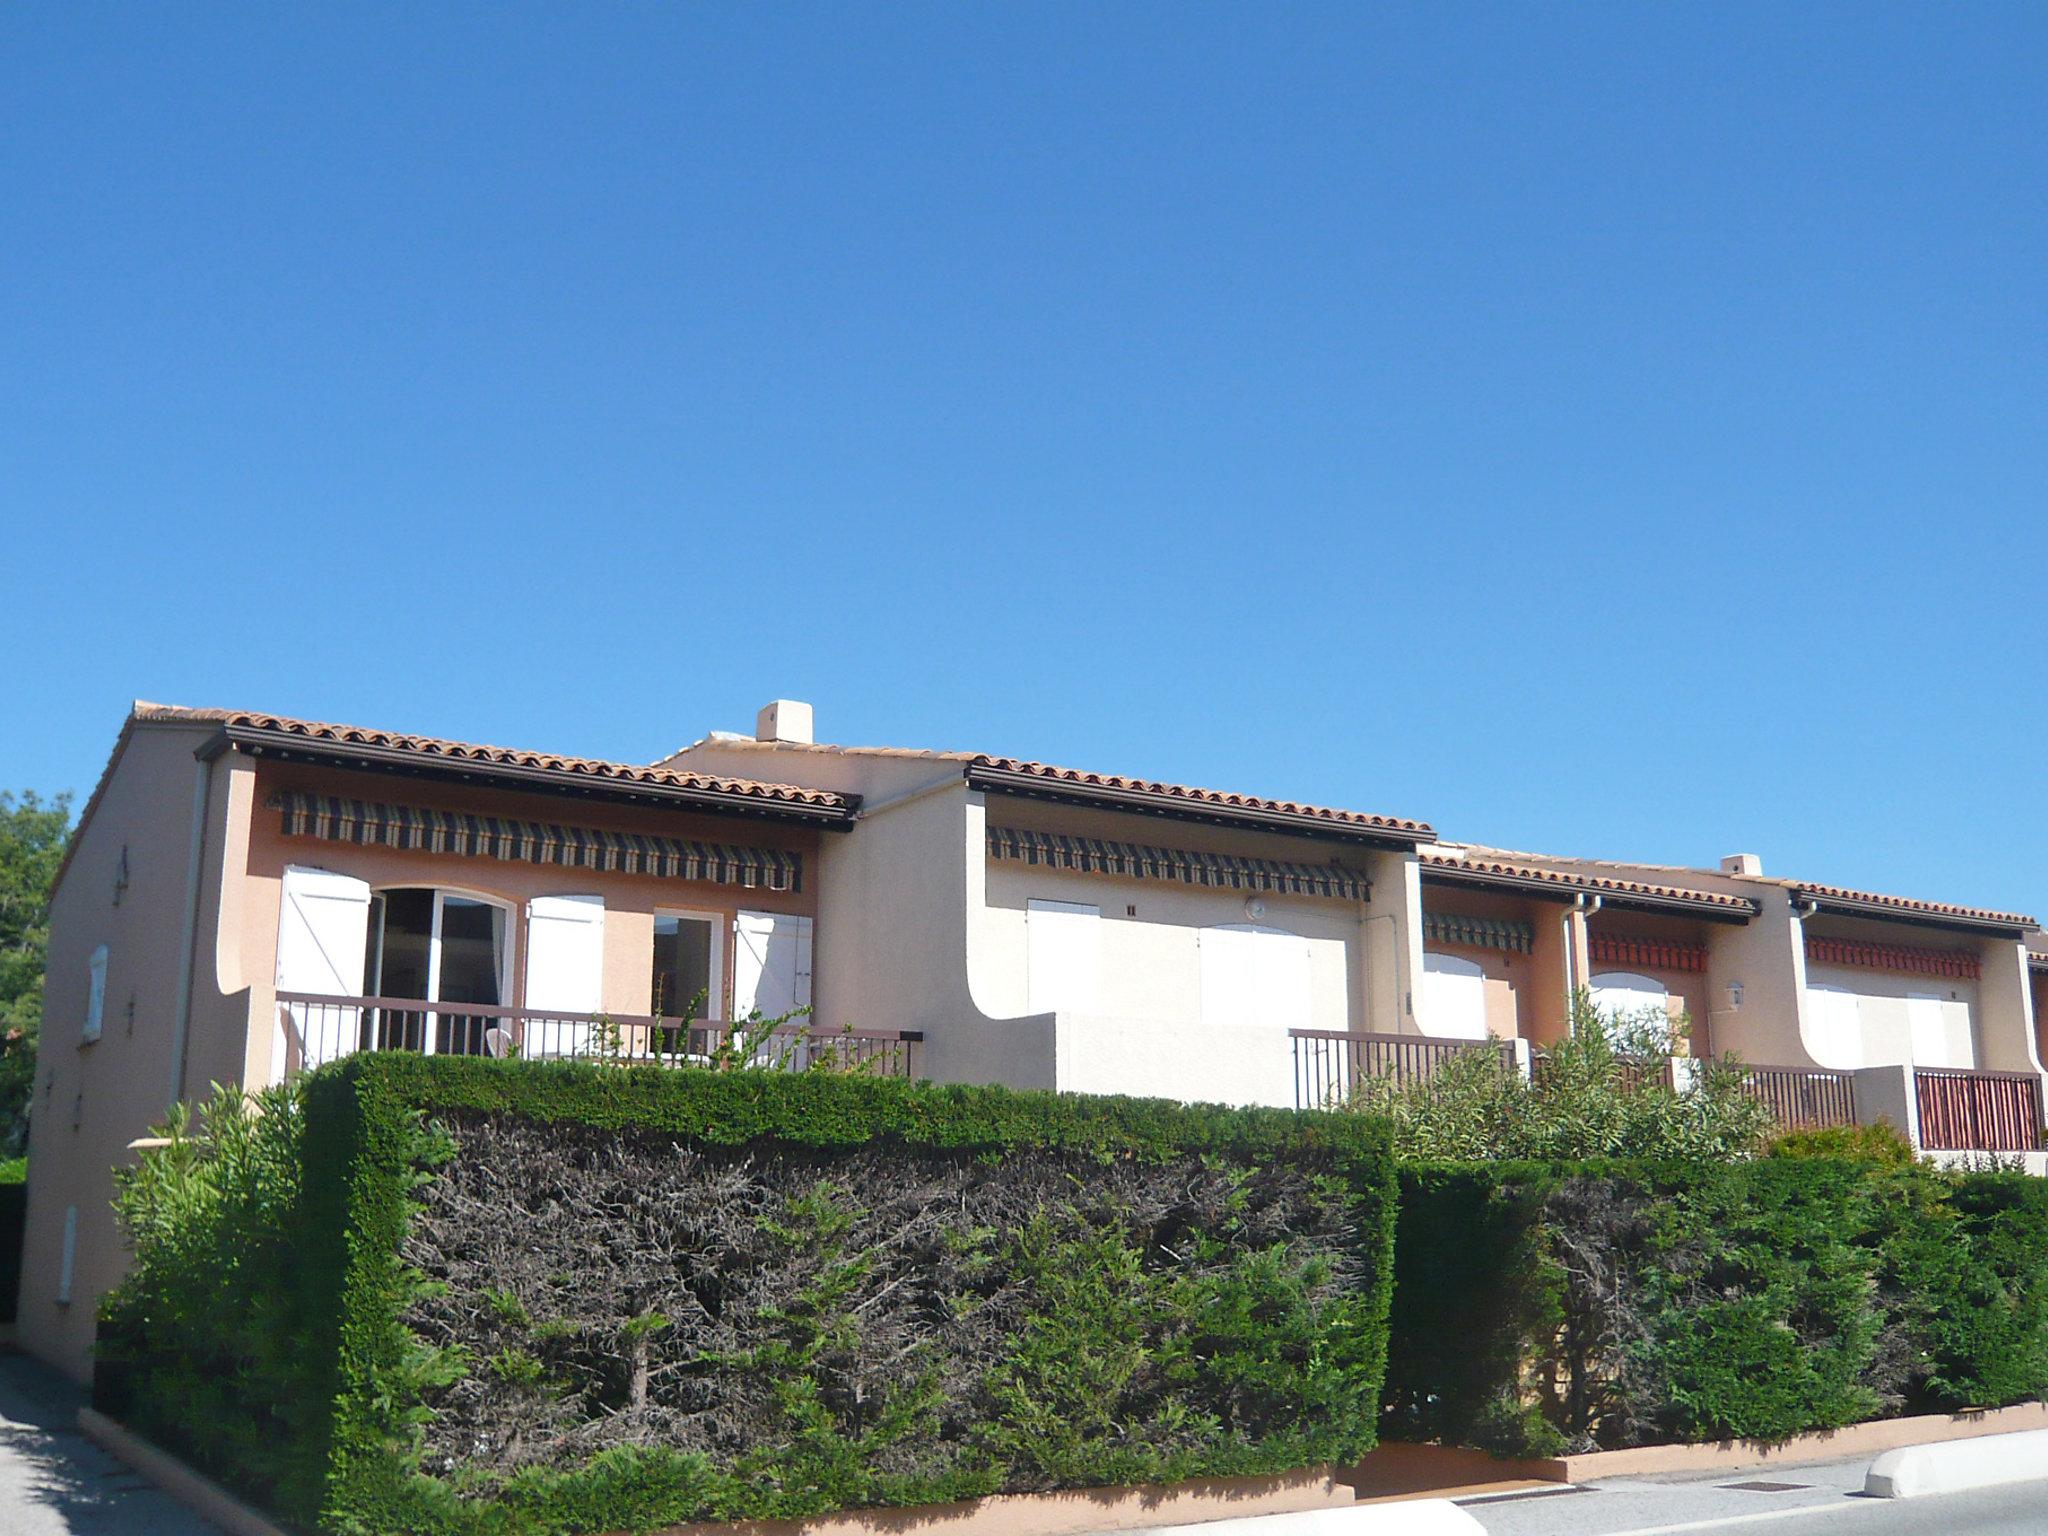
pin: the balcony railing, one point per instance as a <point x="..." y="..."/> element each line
<point x="1329" y="1064"/>
<point x="1978" y="1111"/>
<point x="319" y="1028"/>
<point x="1803" y="1098"/>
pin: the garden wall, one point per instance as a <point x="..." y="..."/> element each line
<point x="565" y="1298"/>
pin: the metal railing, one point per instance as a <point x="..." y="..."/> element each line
<point x="1964" y="1111"/>
<point x="1803" y="1098"/>
<point x="319" y="1028"/>
<point x="1329" y="1064"/>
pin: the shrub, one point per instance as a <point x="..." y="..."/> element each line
<point x="1600" y="1093"/>
<point x="203" y="1345"/>
<point x="549" y="1297"/>
<point x="1540" y="1308"/>
<point x="1881" y="1143"/>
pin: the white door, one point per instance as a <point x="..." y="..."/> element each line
<point x="1254" y="976"/>
<point x="771" y="964"/>
<point x="564" y="972"/>
<point x="1453" y="997"/>
<point x="1062" y="957"/>
<point x="323" y="930"/>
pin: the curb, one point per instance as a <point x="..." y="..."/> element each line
<point x="1412" y="1517"/>
<point x="1992" y="1462"/>
<point x="201" y="1495"/>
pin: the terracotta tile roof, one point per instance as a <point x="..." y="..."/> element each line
<point x="455" y="752"/>
<point x="1906" y="906"/>
<point x="1483" y="870"/>
<point x="1117" y="785"/>
<point x="2037" y="959"/>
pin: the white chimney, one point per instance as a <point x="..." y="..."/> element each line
<point x="1742" y="864"/>
<point x="784" y="720"/>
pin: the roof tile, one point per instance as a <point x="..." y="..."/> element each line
<point x="465" y="751"/>
<point x="1718" y="900"/>
<point x="1221" y="799"/>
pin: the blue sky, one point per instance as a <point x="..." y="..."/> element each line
<point x="1613" y="430"/>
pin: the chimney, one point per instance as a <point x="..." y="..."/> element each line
<point x="1742" y="864"/>
<point x="784" y="720"/>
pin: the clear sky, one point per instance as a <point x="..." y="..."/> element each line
<point x="1618" y="430"/>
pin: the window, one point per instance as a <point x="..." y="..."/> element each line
<point x="1453" y="997"/>
<point x="1624" y="994"/>
<point x="96" y="997"/>
<point x="686" y="983"/>
<point x="438" y="947"/>
<point x="1834" y="1027"/>
<point x="1254" y="977"/>
<point x="1062" y="957"/>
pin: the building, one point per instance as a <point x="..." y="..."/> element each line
<point x="248" y="896"/>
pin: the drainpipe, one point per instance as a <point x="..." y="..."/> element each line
<point x="202" y="782"/>
<point x="1585" y="905"/>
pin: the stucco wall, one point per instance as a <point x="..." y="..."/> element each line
<point x="92" y="1100"/>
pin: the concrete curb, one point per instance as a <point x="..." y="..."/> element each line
<point x="1917" y="1470"/>
<point x="201" y="1495"/>
<point x="1413" y="1517"/>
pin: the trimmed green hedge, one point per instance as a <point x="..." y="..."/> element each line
<point x="1255" y="1319"/>
<point x="1540" y="1309"/>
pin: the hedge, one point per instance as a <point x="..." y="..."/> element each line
<point x="1161" y="1292"/>
<point x="1539" y="1309"/>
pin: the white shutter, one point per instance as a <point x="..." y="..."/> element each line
<point x="323" y="930"/>
<point x="1626" y="995"/>
<point x="1253" y="976"/>
<point x="1834" y="1020"/>
<point x="1453" y="997"/>
<point x="564" y="972"/>
<point x="1062" y="957"/>
<point x="771" y="972"/>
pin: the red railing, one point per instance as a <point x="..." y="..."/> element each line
<point x="319" y="1028"/>
<point x="1978" y="1111"/>
<point x="1802" y="1098"/>
<point x="1329" y="1064"/>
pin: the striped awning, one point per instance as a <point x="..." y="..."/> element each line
<point x="1483" y="932"/>
<point x="415" y="829"/>
<point x="1956" y="964"/>
<point x="1134" y="861"/>
<point x="1647" y="954"/>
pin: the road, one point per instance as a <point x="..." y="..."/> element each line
<point x="55" y="1482"/>
<point x="1825" y="1500"/>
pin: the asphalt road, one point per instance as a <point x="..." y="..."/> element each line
<point x="55" y="1482"/>
<point x="1825" y="1500"/>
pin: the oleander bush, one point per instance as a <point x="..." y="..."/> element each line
<point x="555" y="1298"/>
<point x="1545" y="1308"/>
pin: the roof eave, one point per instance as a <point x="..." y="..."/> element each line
<point x="1145" y="802"/>
<point x="2015" y="927"/>
<point x="1565" y="895"/>
<point x="281" y="746"/>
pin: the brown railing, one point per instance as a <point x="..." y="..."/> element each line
<point x="1802" y="1098"/>
<point x="1978" y="1111"/>
<point x="1328" y="1064"/>
<point x="319" y="1028"/>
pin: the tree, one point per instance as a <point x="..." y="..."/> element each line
<point x="33" y="836"/>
